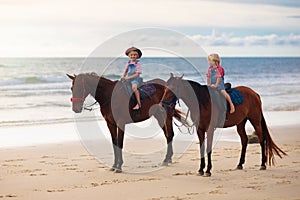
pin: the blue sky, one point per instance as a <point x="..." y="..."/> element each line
<point x="70" y="28"/>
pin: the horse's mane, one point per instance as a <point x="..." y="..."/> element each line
<point x="101" y="79"/>
<point x="201" y="91"/>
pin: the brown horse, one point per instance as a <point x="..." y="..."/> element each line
<point x="205" y="117"/>
<point x="116" y="109"/>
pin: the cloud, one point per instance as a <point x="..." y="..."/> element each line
<point x="225" y="39"/>
<point x="38" y="28"/>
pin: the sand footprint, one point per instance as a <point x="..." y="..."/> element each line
<point x="217" y="192"/>
<point x="8" y="196"/>
<point x="183" y="173"/>
<point x="284" y="182"/>
<point x="52" y="190"/>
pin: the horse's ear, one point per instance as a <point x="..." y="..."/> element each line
<point x="70" y="76"/>
<point x="181" y="76"/>
<point x="171" y="75"/>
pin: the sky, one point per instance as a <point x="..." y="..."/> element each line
<point x="69" y="28"/>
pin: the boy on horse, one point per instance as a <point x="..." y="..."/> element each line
<point x="132" y="72"/>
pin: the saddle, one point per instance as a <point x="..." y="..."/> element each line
<point x="235" y="95"/>
<point x="146" y="89"/>
<point x="221" y="103"/>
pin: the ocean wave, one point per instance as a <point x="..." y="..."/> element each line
<point x="113" y="76"/>
<point x="55" y="86"/>
<point x="32" y="80"/>
<point x="34" y="93"/>
<point x="35" y="105"/>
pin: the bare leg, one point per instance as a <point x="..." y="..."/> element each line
<point x="232" y="109"/>
<point x="137" y="95"/>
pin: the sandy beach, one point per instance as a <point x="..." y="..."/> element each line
<point x="65" y="170"/>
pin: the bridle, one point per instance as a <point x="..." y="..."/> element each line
<point x="175" y="100"/>
<point x="80" y="99"/>
<point x="170" y="105"/>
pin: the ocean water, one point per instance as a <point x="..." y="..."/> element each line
<point x="37" y="90"/>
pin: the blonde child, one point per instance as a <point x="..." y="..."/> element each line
<point x="132" y="72"/>
<point x="215" y="77"/>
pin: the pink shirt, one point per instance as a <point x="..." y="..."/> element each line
<point x="138" y="67"/>
<point x="218" y="70"/>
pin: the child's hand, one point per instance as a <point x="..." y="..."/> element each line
<point x="213" y="86"/>
<point x="123" y="78"/>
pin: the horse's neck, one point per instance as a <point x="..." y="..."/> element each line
<point x="194" y="95"/>
<point x="104" y="89"/>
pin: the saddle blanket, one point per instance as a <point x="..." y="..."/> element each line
<point x="236" y="96"/>
<point x="146" y="90"/>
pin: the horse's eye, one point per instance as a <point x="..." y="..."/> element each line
<point x="71" y="88"/>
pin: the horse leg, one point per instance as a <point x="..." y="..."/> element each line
<point x="113" y="132"/>
<point x="210" y="134"/>
<point x="168" y="158"/>
<point x="164" y="120"/>
<point x="168" y="130"/>
<point x="119" y="149"/>
<point x="262" y="139"/>
<point x="244" y="140"/>
<point x="201" y="134"/>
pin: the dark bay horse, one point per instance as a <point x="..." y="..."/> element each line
<point x="205" y="118"/>
<point x="116" y="109"/>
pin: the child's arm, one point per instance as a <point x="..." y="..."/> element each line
<point x="216" y="84"/>
<point x="208" y="81"/>
<point x="124" y="74"/>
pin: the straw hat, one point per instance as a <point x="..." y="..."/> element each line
<point x="133" y="49"/>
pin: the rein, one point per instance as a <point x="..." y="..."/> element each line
<point x="82" y="99"/>
<point x="170" y="105"/>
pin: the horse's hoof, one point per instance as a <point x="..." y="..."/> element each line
<point x="118" y="170"/>
<point x="200" y="173"/>
<point x="166" y="162"/>
<point x="263" y="168"/>
<point x="112" y="169"/>
<point x="239" y="167"/>
<point x="207" y="174"/>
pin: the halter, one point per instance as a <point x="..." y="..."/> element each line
<point x="82" y="99"/>
<point x="83" y="94"/>
<point x="171" y="105"/>
<point x="174" y="101"/>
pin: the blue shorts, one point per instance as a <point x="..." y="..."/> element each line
<point x="134" y="81"/>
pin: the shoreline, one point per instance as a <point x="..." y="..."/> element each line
<point x="68" y="171"/>
<point x="68" y="131"/>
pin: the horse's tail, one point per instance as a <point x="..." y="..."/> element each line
<point x="271" y="147"/>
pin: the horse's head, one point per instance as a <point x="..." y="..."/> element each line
<point x="80" y="91"/>
<point x="172" y="91"/>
